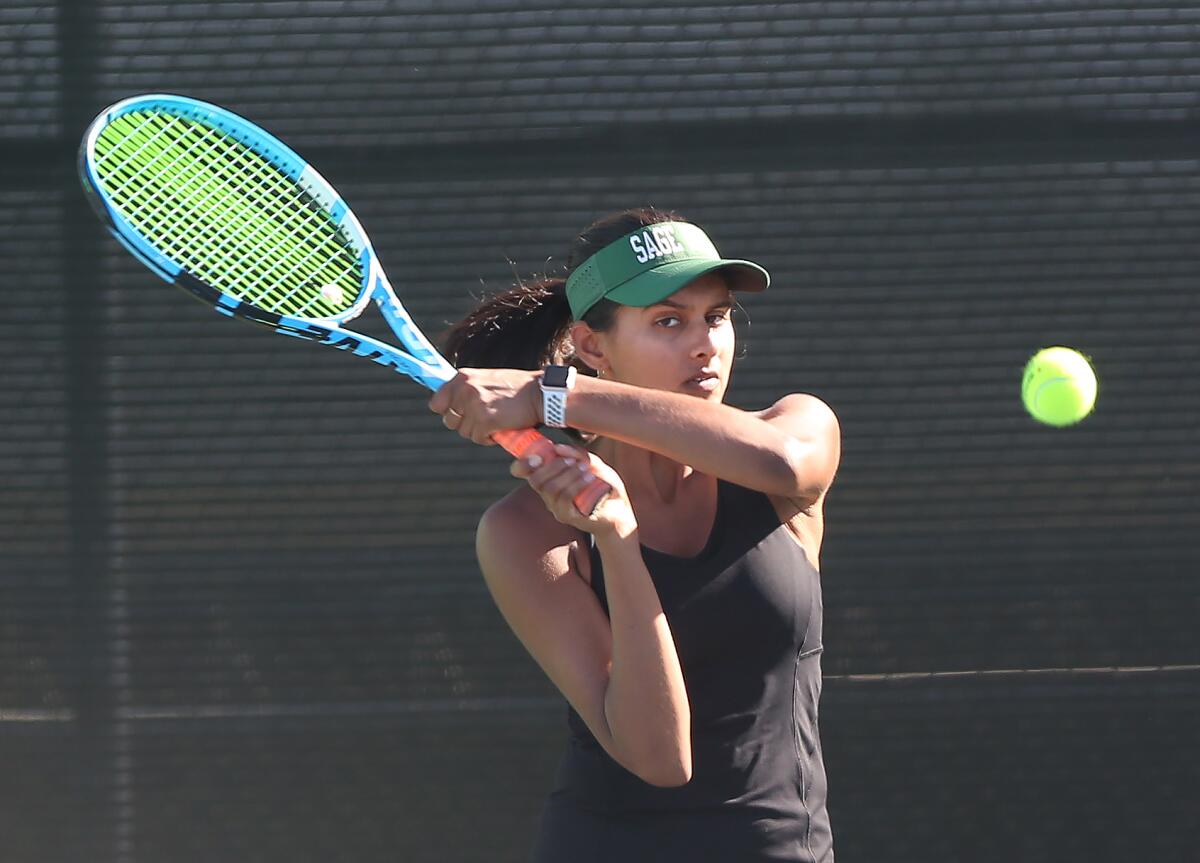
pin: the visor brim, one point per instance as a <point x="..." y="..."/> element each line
<point x="657" y="284"/>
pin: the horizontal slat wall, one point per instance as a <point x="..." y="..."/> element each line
<point x="397" y="785"/>
<point x="299" y="660"/>
<point x="34" y="620"/>
<point x="30" y="71"/>
<point x="974" y="767"/>
<point x="40" y="747"/>
<point x="931" y="767"/>
<point x="375" y="72"/>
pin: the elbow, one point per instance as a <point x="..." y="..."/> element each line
<point x="669" y="767"/>
<point x="795" y="474"/>
<point x="672" y="776"/>
<point x="660" y="751"/>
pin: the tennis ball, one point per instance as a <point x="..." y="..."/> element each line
<point x="1059" y="386"/>
<point x="332" y="294"/>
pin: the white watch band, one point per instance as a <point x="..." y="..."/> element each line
<point x="554" y="402"/>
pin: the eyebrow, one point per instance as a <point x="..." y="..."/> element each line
<point x="720" y="305"/>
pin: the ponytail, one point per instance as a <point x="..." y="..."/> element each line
<point x="524" y="327"/>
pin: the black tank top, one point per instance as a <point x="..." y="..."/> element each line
<point x="746" y="617"/>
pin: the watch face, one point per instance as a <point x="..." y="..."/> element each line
<point x="555" y="376"/>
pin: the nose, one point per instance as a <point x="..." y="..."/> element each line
<point x="705" y="344"/>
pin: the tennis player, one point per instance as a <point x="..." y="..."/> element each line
<point x="681" y="620"/>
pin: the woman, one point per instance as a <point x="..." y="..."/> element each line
<point x="681" y="619"/>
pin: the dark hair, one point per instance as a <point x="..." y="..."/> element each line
<point x="526" y="327"/>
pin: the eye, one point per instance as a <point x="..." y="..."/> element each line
<point x="714" y="320"/>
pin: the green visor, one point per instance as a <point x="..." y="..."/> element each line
<point x="650" y="264"/>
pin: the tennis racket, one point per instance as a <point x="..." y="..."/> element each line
<point x="223" y="209"/>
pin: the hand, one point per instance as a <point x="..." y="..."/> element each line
<point x="478" y="402"/>
<point x="558" y="482"/>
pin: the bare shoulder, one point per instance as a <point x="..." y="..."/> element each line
<point x="801" y="410"/>
<point x="518" y="528"/>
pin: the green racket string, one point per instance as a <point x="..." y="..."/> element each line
<point x="249" y="250"/>
<point x="227" y="215"/>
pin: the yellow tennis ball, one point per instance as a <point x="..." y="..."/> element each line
<point x="332" y="294"/>
<point x="1059" y="386"/>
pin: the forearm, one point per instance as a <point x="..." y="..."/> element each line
<point x="713" y="438"/>
<point x="646" y="703"/>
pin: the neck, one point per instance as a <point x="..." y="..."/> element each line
<point x="647" y="475"/>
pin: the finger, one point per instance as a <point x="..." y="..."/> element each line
<point x="525" y="466"/>
<point x="586" y="474"/>
<point x="565" y="450"/>
<point x="451" y="420"/>
<point x="474" y="435"/>
<point x="581" y="456"/>
<point x="564" y="480"/>
<point x="442" y="398"/>
<point x="547" y="472"/>
<point x="476" y="432"/>
<point x="575" y="483"/>
<point x="562" y="503"/>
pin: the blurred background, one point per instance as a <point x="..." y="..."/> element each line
<point x="240" y="615"/>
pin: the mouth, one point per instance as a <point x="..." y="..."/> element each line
<point x="706" y="381"/>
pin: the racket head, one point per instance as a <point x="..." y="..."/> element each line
<point x="217" y="205"/>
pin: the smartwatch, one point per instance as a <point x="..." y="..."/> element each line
<point x="556" y="382"/>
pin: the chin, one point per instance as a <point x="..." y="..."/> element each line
<point x="717" y="395"/>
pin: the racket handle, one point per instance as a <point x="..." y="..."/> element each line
<point x="529" y="441"/>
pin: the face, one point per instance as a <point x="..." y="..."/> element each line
<point x="684" y="344"/>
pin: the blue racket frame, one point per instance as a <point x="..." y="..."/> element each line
<point x="420" y="361"/>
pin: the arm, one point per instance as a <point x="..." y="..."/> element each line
<point x="621" y="675"/>
<point x="646" y="702"/>
<point x="791" y="449"/>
